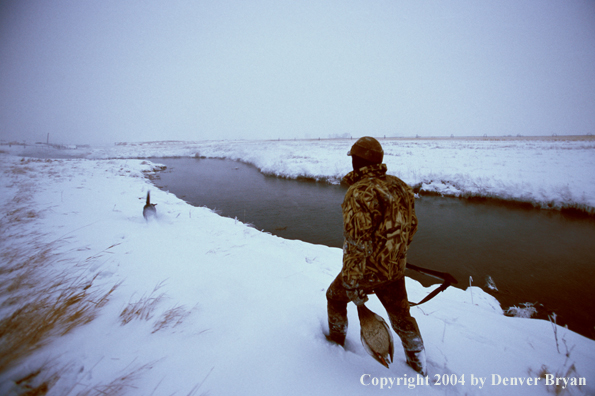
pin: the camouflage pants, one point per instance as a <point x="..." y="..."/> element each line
<point x="393" y="296"/>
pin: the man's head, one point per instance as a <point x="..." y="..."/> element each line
<point x="366" y="151"/>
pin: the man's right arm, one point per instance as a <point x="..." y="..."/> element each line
<point x="358" y="232"/>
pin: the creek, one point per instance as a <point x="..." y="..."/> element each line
<point x="533" y="256"/>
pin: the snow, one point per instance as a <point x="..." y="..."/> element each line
<point x="550" y="173"/>
<point x="247" y="309"/>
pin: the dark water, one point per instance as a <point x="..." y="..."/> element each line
<point x="536" y="256"/>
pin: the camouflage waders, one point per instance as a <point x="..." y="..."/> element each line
<point x="393" y="297"/>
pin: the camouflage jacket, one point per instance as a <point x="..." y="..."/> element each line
<point x="379" y="223"/>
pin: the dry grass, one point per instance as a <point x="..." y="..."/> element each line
<point x="171" y="318"/>
<point x="143" y="308"/>
<point x="55" y="309"/>
<point x="36" y="383"/>
<point x="120" y="385"/>
<point x="526" y="311"/>
<point x="38" y="301"/>
<point x="123" y="383"/>
<point x="566" y="371"/>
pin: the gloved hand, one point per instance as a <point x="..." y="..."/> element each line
<point x="357" y="296"/>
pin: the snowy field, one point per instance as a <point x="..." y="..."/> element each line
<point x="551" y="173"/>
<point x="94" y="300"/>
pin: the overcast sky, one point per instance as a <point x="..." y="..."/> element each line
<point x="102" y="71"/>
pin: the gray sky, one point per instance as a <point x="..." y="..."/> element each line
<point x="112" y="70"/>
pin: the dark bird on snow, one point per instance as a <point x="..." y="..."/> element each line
<point x="149" y="210"/>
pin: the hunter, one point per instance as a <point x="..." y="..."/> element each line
<point x="379" y="222"/>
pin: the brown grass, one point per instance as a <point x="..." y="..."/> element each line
<point x="558" y="389"/>
<point x="120" y="385"/>
<point x="36" y="383"/>
<point x="37" y="301"/>
<point x="171" y="318"/>
<point x="54" y="310"/>
<point x="143" y="308"/>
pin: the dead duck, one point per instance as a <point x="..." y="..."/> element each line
<point x="376" y="336"/>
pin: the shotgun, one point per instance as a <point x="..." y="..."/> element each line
<point x="447" y="280"/>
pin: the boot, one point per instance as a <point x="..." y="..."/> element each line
<point x="417" y="361"/>
<point x="336" y="338"/>
<point x="337" y="331"/>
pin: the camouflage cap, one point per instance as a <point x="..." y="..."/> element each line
<point x="367" y="148"/>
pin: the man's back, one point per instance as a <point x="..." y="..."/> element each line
<point x="379" y="222"/>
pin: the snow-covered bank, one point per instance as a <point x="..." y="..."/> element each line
<point x="551" y="173"/>
<point x="207" y="305"/>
